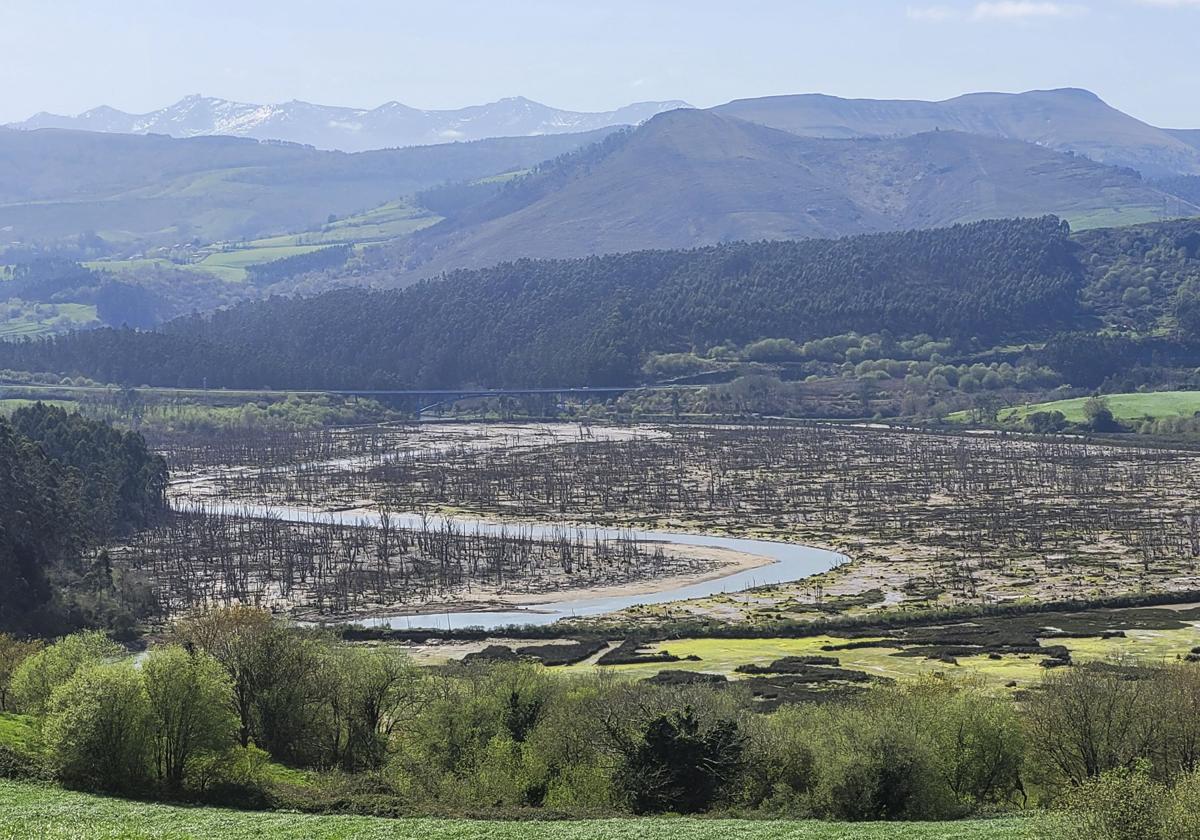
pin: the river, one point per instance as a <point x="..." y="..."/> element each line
<point x="790" y="562"/>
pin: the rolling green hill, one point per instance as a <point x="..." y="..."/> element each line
<point x="592" y="321"/>
<point x="57" y="184"/>
<point x="48" y="813"/>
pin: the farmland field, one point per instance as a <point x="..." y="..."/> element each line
<point x="44" y="319"/>
<point x="1124" y="406"/>
<point x="388" y="221"/>
<point x="47" y="813"/>
<point x="228" y="262"/>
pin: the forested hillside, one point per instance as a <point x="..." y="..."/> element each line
<point x="66" y="485"/>
<point x="592" y="321"/>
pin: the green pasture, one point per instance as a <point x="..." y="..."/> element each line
<point x="1153" y="404"/>
<point x="31" y="811"/>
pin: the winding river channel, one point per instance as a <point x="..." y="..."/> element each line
<point x="789" y="562"/>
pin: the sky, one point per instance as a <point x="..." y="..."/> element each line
<point x="66" y="56"/>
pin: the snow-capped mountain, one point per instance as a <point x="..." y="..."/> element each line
<point x="349" y="129"/>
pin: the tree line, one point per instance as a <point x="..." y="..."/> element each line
<point x="232" y="702"/>
<point x="68" y="485"/>
<point x="593" y="321"/>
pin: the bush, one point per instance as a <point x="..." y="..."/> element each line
<point x="676" y="766"/>
<point x="20" y="765"/>
<point x="1126" y="804"/>
<point x="98" y="727"/>
<point x="39" y="675"/>
<point x="237" y="777"/>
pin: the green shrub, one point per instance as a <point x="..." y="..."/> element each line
<point x="237" y="777"/>
<point x="38" y="676"/>
<point x="677" y="766"/>
<point x="98" y="728"/>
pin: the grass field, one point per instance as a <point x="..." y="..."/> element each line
<point x="384" y="223"/>
<point x="33" y="812"/>
<point x="55" y="317"/>
<point x="1124" y="406"/>
<point x="389" y="221"/>
<point x="1112" y="217"/>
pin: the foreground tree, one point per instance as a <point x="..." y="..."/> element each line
<point x="38" y="676"/>
<point x="675" y="766"/>
<point x="1088" y="720"/>
<point x="236" y="637"/>
<point x="377" y="690"/>
<point x="191" y="709"/>
<point x="97" y="728"/>
<point x="13" y="652"/>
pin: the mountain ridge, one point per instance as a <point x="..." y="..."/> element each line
<point x="690" y="178"/>
<point x="389" y="125"/>
<point x="1064" y="119"/>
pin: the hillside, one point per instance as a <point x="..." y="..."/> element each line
<point x="593" y="321"/>
<point x="349" y="129"/>
<point x="129" y="188"/>
<point x="1066" y="119"/>
<point x="1191" y="136"/>
<point x="690" y="178"/>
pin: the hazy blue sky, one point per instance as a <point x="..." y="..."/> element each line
<point x="137" y="55"/>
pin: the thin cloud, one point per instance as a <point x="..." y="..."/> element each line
<point x="1025" y="10"/>
<point x="933" y="14"/>
<point x="1013" y="10"/>
<point x="1172" y="4"/>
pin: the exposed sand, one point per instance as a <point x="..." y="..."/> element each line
<point x="721" y="562"/>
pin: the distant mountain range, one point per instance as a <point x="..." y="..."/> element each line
<point x="788" y="167"/>
<point x="691" y="177"/>
<point x="1067" y="119"/>
<point x="349" y="129"/>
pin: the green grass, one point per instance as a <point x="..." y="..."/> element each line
<point x="33" y="811"/>
<point x="1124" y="406"/>
<point x="66" y="316"/>
<point x="1112" y="216"/>
<point x="19" y="733"/>
<point x="384" y="223"/>
<point x="228" y="265"/>
<point x="503" y="177"/>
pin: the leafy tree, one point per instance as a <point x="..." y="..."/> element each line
<point x="98" y="726"/>
<point x="1099" y="415"/>
<point x="13" y="652"/>
<point x="37" y="677"/>
<point x="379" y="689"/>
<point x="1046" y="422"/>
<point x="675" y="766"/>
<point x="236" y="638"/>
<point x="191" y="708"/>
<point x="1088" y="720"/>
<point x="1187" y="308"/>
<point x="67" y="484"/>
